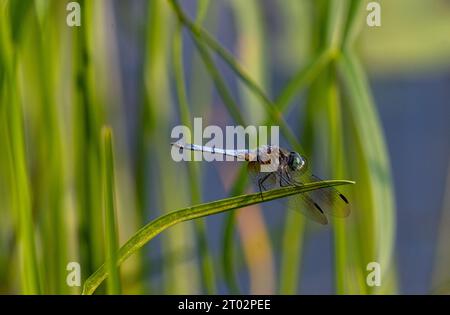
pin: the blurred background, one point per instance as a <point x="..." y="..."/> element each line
<point x="370" y="104"/>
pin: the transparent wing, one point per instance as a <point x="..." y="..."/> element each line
<point x="307" y="206"/>
<point x="329" y="199"/>
<point x="300" y="203"/>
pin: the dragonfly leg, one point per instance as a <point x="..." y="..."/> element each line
<point x="288" y="176"/>
<point x="282" y="179"/>
<point x="261" y="182"/>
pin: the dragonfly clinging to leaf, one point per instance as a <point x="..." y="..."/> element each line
<point x="290" y="169"/>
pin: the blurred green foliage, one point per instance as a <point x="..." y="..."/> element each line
<point x="59" y="196"/>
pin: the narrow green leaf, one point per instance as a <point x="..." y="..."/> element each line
<point x="335" y="24"/>
<point x="353" y="23"/>
<point x="252" y="55"/>
<point x="109" y="208"/>
<point x="87" y="116"/>
<point x="374" y="156"/>
<point x="149" y="231"/>
<point x="301" y="79"/>
<point x="219" y="82"/>
<point x="291" y="252"/>
<point x="202" y="9"/>
<point x="227" y="240"/>
<point x="22" y="202"/>
<point x="335" y="145"/>
<point x="206" y="261"/>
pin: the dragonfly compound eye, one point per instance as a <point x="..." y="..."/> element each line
<point x="296" y="162"/>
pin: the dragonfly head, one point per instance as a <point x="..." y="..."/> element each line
<point x="296" y="162"/>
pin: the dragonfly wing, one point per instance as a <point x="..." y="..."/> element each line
<point x="329" y="199"/>
<point x="308" y="207"/>
<point x="301" y="203"/>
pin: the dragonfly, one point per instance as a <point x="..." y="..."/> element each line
<point x="272" y="167"/>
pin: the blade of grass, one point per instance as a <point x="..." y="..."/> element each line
<point x="327" y="31"/>
<point x="16" y="144"/>
<point x="329" y="98"/>
<point x="253" y="56"/>
<point x="146" y="121"/>
<point x="21" y="192"/>
<point x="334" y="26"/>
<point x="335" y="145"/>
<point x="207" y="274"/>
<point x="110" y="211"/>
<point x="160" y="224"/>
<point x="87" y="120"/>
<point x="40" y="61"/>
<point x="221" y="87"/>
<point x="353" y="25"/>
<point x="227" y="239"/>
<point x="200" y="86"/>
<point x="179" y="278"/>
<point x="291" y="252"/>
<point x="294" y="226"/>
<point x="202" y="9"/>
<point x="375" y="158"/>
<point x="302" y="78"/>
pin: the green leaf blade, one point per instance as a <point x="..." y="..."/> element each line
<point x="155" y="227"/>
<point x="109" y="204"/>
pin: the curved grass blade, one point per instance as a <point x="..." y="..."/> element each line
<point x="155" y="227"/>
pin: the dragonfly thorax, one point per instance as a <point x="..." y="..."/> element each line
<point x="295" y="162"/>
